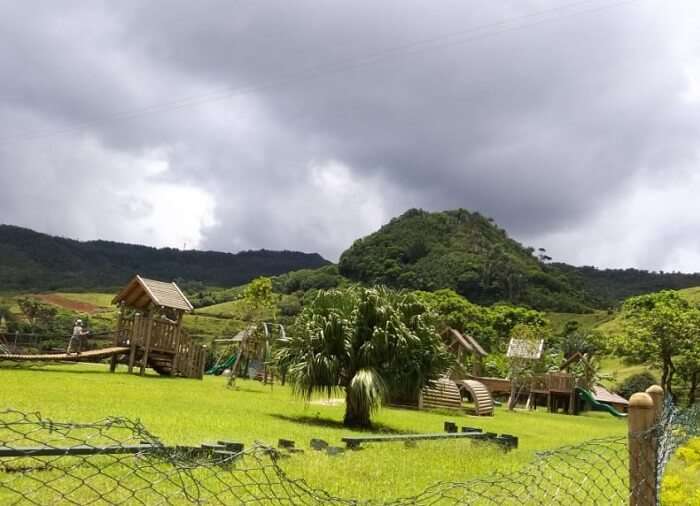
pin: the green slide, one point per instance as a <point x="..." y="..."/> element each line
<point x="587" y="396"/>
<point x="218" y="369"/>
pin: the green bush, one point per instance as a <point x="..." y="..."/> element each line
<point x="635" y="383"/>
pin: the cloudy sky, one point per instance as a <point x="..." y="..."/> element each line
<point x="303" y="125"/>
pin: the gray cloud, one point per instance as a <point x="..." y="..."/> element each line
<point x="305" y="125"/>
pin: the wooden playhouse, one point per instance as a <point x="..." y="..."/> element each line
<point x="150" y="326"/>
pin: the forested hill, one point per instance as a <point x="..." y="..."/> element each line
<point x="33" y="261"/>
<point x="469" y="253"/>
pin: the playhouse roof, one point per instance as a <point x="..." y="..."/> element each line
<point x="464" y="340"/>
<point x="603" y="395"/>
<point x="140" y="292"/>
<point x="525" y="348"/>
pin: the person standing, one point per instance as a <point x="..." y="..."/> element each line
<point x="78" y="333"/>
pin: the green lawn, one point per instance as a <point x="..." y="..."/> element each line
<point x="191" y="411"/>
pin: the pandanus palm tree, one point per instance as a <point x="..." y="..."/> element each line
<point x="369" y="343"/>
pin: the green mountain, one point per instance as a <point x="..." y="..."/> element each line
<point x="33" y="261"/>
<point x="466" y="252"/>
<point x="470" y="254"/>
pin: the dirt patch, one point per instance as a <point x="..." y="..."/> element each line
<point x="65" y="303"/>
<point x="328" y="402"/>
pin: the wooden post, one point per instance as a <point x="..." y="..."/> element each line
<point x="178" y="333"/>
<point x="657" y="394"/>
<point x="234" y="367"/>
<point x="132" y="341"/>
<point x="642" y="450"/>
<point x="203" y="362"/>
<point x="117" y="333"/>
<point x="146" y="344"/>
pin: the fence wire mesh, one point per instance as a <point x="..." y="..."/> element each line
<point x="117" y="461"/>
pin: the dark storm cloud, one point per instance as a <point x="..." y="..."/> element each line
<point x="304" y="125"/>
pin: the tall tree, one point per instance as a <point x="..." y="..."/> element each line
<point x="661" y="328"/>
<point x="369" y="343"/>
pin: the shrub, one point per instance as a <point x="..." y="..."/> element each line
<point x="635" y="383"/>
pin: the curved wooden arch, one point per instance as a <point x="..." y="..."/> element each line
<point x="443" y="393"/>
<point x="483" y="402"/>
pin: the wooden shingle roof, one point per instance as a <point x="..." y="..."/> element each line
<point x="140" y="292"/>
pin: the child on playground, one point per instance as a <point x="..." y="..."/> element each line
<point x="78" y="333"/>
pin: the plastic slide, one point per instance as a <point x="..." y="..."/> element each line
<point x="219" y="368"/>
<point x="587" y="396"/>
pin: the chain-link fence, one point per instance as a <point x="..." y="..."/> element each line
<point x="117" y="461"/>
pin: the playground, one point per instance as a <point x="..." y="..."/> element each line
<point x="241" y="399"/>
<point x="191" y="411"/>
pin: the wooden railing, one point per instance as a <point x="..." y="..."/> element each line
<point x="553" y="382"/>
<point x="149" y="335"/>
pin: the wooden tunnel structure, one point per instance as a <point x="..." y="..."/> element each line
<point x="150" y="327"/>
<point x="443" y="393"/>
<point x="480" y="395"/>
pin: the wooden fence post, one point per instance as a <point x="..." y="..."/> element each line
<point x="657" y="394"/>
<point x="642" y="450"/>
<point x="146" y="344"/>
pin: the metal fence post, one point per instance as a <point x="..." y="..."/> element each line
<point x="642" y="450"/>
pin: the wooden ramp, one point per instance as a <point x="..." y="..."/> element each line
<point x="85" y="355"/>
<point x="483" y="402"/>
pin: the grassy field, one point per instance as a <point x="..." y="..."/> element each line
<point x="588" y="321"/>
<point x="231" y="309"/>
<point x="190" y="411"/>
<point x="619" y="370"/>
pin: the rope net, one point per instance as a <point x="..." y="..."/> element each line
<point x="117" y="461"/>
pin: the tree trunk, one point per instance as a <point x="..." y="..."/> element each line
<point x="355" y="416"/>
<point x="514" y="395"/>
<point x="666" y="377"/>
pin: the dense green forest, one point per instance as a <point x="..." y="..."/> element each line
<point x="33" y="261"/>
<point x="470" y="254"/>
<point x="614" y="285"/>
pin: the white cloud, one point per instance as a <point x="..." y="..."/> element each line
<point x="578" y="134"/>
<point x="655" y="226"/>
<point x="86" y="191"/>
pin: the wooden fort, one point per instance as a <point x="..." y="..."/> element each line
<point x="150" y="326"/>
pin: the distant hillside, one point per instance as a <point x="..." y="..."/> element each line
<point x="463" y="251"/>
<point x="469" y="253"/>
<point x="611" y="286"/>
<point x="33" y="261"/>
<point x="613" y="323"/>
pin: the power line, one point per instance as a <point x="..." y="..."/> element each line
<point x="453" y="39"/>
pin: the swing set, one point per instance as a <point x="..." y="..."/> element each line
<point x="249" y="353"/>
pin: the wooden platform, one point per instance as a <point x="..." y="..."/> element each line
<point x="72" y="357"/>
